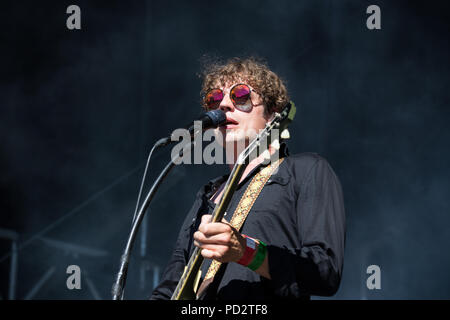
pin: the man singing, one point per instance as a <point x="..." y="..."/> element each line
<point x="291" y="244"/>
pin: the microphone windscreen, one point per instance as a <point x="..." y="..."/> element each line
<point x="217" y="117"/>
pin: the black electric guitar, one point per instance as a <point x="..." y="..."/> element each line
<point x="188" y="283"/>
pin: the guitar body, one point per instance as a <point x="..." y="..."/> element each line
<point x="192" y="277"/>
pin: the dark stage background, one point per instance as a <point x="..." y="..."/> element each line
<point x="80" y="109"/>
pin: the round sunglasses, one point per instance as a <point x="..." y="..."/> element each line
<point x="239" y="95"/>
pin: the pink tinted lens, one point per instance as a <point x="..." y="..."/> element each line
<point x="213" y="98"/>
<point x="240" y="94"/>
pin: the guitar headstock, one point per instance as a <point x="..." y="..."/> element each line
<point x="280" y="123"/>
<point x="284" y="118"/>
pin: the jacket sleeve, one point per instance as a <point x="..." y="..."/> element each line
<point x="315" y="268"/>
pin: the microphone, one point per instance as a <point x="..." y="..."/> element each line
<point x="208" y="120"/>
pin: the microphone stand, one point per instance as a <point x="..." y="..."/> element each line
<point x="119" y="285"/>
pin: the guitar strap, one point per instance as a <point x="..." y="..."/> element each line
<point x="240" y="214"/>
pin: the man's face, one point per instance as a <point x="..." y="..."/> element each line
<point x="241" y="126"/>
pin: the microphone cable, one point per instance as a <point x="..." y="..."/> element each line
<point x="159" y="143"/>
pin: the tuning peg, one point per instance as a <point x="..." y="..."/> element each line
<point x="285" y="134"/>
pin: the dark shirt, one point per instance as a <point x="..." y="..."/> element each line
<point x="299" y="215"/>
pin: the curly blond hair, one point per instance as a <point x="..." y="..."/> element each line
<point x="256" y="73"/>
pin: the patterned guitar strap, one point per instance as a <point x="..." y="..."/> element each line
<point x="240" y="214"/>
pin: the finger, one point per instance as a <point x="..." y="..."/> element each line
<point x="208" y="254"/>
<point x="217" y="248"/>
<point x="223" y="238"/>
<point x="213" y="228"/>
<point x="199" y="236"/>
<point x="216" y="253"/>
<point x="206" y="218"/>
<point x="197" y="243"/>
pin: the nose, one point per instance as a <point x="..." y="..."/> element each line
<point x="226" y="104"/>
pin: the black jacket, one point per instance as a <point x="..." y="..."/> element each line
<point x="299" y="215"/>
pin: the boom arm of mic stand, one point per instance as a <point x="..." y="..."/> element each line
<point x="118" y="287"/>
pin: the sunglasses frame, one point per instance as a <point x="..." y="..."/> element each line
<point x="234" y="104"/>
